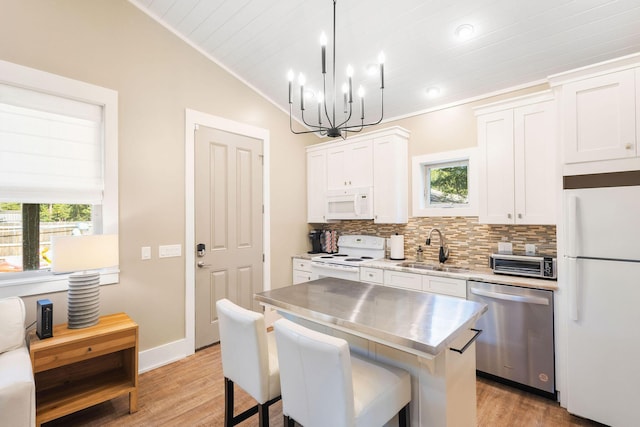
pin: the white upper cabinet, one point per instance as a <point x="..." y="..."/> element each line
<point x="517" y="143"/>
<point x="599" y="117"/>
<point x="316" y="185"/>
<point x="350" y="165"/>
<point x="376" y="161"/>
<point x="390" y="180"/>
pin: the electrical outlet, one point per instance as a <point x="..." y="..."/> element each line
<point x="168" y="251"/>
<point x="505" y="247"/>
<point x="530" y="249"/>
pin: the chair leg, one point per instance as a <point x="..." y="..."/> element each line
<point x="403" y="416"/>
<point x="288" y="421"/>
<point x="263" y="415"/>
<point x="228" y="402"/>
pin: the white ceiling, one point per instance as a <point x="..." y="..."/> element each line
<point x="516" y="43"/>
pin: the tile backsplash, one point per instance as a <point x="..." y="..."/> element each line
<point x="470" y="243"/>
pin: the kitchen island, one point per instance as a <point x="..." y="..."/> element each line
<point x="428" y="335"/>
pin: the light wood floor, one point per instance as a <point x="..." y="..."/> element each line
<point x="190" y="393"/>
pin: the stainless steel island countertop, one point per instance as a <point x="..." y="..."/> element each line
<point x="417" y="321"/>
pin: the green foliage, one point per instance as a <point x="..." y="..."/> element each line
<point x="449" y="184"/>
<point x="64" y="213"/>
<point x="10" y="206"/>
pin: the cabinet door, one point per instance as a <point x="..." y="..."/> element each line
<point x="360" y="166"/>
<point x="350" y="165"/>
<point x="336" y="164"/>
<point x="535" y="163"/>
<point x="495" y="141"/>
<point x="390" y="182"/>
<point x="300" y="277"/>
<point x="445" y="286"/>
<point x="316" y="186"/>
<point x="399" y="279"/>
<point x="599" y="118"/>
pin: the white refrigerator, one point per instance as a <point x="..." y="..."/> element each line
<point x="602" y="259"/>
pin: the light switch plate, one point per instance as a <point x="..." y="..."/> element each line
<point x="168" y="251"/>
<point x="145" y="252"/>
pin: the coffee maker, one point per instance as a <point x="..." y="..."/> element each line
<point x="316" y="241"/>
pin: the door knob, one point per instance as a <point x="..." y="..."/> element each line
<point x="201" y="264"/>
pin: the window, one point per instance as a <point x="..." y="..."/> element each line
<point x="58" y="172"/>
<point x="444" y="184"/>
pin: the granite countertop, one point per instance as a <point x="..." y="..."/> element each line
<point x="420" y="322"/>
<point x="482" y="275"/>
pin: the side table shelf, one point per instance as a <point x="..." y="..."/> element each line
<point x="78" y="368"/>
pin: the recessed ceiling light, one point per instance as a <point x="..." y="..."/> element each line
<point x="464" y="32"/>
<point x="433" y="91"/>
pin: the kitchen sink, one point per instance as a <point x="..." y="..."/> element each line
<point x="433" y="267"/>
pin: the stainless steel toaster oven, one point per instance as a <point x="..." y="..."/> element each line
<point x="540" y="266"/>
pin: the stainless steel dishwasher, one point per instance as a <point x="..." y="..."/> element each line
<point x="516" y="345"/>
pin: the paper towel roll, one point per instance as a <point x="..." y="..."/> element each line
<point x="397" y="247"/>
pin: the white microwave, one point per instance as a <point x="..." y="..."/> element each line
<point x="350" y="203"/>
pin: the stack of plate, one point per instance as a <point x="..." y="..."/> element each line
<point x="83" y="300"/>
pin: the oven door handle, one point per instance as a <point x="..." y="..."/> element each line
<point x="336" y="267"/>
<point x="509" y="297"/>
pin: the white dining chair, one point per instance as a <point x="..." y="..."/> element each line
<point x="324" y="385"/>
<point x="249" y="359"/>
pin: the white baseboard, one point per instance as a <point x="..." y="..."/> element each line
<point x="163" y="355"/>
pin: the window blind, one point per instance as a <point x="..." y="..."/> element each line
<point x="51" y="148"/>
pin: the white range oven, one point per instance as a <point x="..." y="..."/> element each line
<point x="353" y="251"/>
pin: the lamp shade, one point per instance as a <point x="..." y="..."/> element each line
<point x="81" y="253"/>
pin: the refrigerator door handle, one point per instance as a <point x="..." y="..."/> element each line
<point x="573" y="288"/>
<point x="572" y="224"/>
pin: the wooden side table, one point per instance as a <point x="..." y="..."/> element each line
<point x="78" y="368"/>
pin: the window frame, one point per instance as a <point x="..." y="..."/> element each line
<point x="421" y="207"/>
<point x="33" y="283"/>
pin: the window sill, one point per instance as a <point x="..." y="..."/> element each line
<point x="426" y="212"/>
<point x="47" y="284"/>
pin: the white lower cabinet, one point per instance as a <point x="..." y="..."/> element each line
<point x="372" y="275"/>
<point x="301" y="271"/>
<point x="445" y="286"/>
<point x="424" y="282"/>
<point x="400" y="279"/>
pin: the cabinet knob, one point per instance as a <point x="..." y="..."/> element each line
<point x="628" y="146"/>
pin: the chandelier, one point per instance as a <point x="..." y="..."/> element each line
<point x="332" y="127"/>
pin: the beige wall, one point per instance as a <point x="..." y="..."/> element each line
<point x="112" y="44"/>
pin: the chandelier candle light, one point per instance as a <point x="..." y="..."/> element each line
<point x="334" y="129"/>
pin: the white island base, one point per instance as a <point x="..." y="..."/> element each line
<point x="412" y="330"/>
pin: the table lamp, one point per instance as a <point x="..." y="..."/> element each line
<point x="82" y="256"/>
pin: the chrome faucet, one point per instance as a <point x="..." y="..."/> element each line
<point x="443" y="255"/>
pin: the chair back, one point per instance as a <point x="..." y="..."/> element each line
<point x="245" y="355"/>
<point x="315" y="376"/>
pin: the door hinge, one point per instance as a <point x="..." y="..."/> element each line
<point x="262" y="257"/>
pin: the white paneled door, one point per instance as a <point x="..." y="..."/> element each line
<point x="228" y="193"/>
